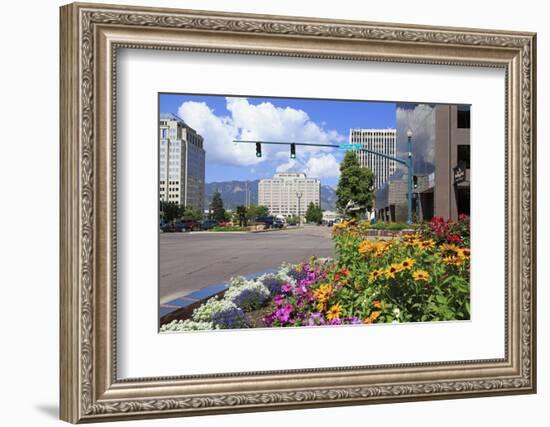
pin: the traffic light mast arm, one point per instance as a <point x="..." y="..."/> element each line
<point x="407" y="163"/>
<point x="397" y="159"/>
<point x="311" y="144"/>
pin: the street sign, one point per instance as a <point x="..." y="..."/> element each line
<point x="350" y="146"/>
<point x="459" y="175"/>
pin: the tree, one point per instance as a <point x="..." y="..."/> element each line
<point x="192" y="214"/>
<point x="262" y="210"/>
<point x="314" y="213"/>
<point x="355" y="187"/>
<point x="241" y="212"/>
<point x="255" y="211"/>
<point x="170" y="210"/>
<point x="218" y="212"/>
<point x="292" y="220"/>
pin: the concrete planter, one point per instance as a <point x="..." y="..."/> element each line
<point x="388" y="233"/>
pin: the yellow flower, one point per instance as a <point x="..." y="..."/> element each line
<point x="407" y="263"/>
<point x="378" y="248"/>
<point x="381" y="248"/>
<point x="375" y="274"/>
<point x="334" y="312"/>
<point x="421" y="275"/>
<point x="366" y="247"/>
<point x="463" y="253"/>
<point x="425" y="244"/>
<point x="392" y="270"/>
<point x="323" y="293"/>
<point x="448" y="247"/>
<point x="321" y="306"/>
<point x="411" y="239"/>
<point x="452" y="260"/>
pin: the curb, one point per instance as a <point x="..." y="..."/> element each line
<point x="183" y="306"/>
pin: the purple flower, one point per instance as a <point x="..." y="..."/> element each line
<point x="273" y="283"/>
<point x="316" y="319"/>
<point x="287" y="287"/>
<point x="279" y="299"/>
<point x="268" y="320"/>
<point x="353" y="320"/>
<point x="336" y="321"/>
<point x="282" y="315"/>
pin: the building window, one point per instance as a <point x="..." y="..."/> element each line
<point x="463" y="117"/>
<point x="463" y="156"/>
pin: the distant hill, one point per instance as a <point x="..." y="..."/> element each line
<point x="234" y="194"/>
<point x="328" y="198"/>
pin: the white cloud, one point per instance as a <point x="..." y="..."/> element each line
<point x="324" y="166"/>
<point x="264" y="122"/>
<point x="320" y="166"/>
<point x="292" y="165"/>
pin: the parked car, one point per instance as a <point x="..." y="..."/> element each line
<point x="278" y="223"/>
<point x="268" y="221"/>
<point x="173" y="227"/>
<point x="208" y="224"/>
<point x="191" y="225"/>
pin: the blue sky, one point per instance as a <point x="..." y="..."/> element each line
<point x="220" y="119"/>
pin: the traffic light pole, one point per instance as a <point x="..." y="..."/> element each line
<point x="407" y="163"/>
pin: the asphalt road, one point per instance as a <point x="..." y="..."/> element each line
<point x="191" y="261"/>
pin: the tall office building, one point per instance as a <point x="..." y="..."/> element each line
<point x="444" y="192"/>
<point x="289" y="194"/>
<point x="181" y="163"/>
<point x="379" y="140"/>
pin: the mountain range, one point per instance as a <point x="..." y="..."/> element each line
<point x="234" y="194"/>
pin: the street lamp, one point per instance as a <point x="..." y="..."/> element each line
<point x="410" y="178"/>
<point x="299" y="197"/>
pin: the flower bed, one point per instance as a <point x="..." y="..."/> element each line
<point x="414" y="277"/>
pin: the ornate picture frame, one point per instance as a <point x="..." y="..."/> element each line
<point x="90" y="37"/>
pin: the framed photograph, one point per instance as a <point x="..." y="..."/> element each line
<point x="267" y="212"/>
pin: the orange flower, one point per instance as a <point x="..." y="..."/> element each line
<point x="374" y="315"/>
<point x="376" y="304"/>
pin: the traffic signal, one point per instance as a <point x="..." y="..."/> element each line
<point x="292" y="151"/>
<point x="258" y="149"/>
<point x="415" y="181"/>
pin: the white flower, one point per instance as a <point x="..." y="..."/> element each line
<point x="187" y="325"/>
<point x="258" y="287"/>
<point x="204" y="312"/>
